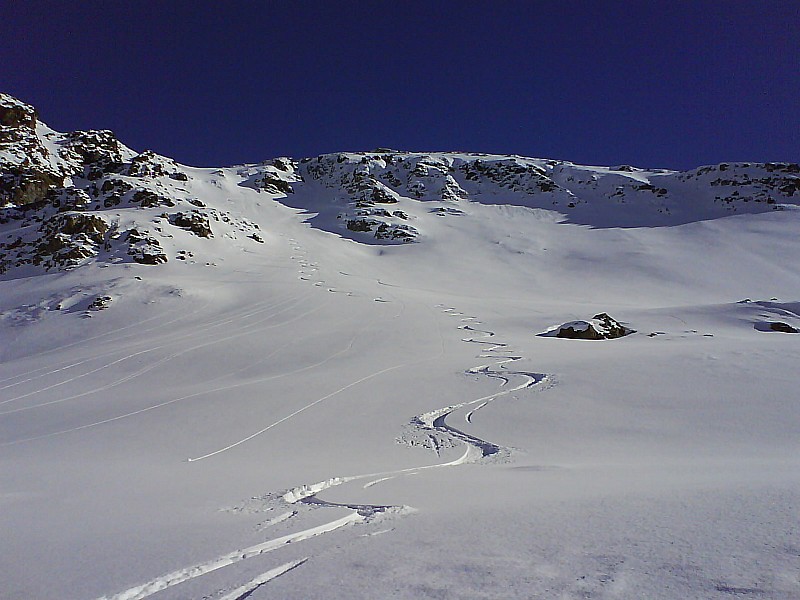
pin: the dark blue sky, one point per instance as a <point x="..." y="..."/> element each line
<point x="660" y="84"/>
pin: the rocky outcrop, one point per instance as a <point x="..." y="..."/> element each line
<point x="193" y="221"/>
<point x="27" y="172"/>
<point x="100" y="303"/>
<point x="272" y="176"/>
<point x="381" y="229"/>
<point x="274" y="185"/>
<point x="71" y="197"/>
<point x="149" y="199"/>
<point x="150" y="164"/>
<point x="783" y="327"/>
<point x="600" y="327"/>
<point x="144" y="249"/>
<point x="62" y="241"/>
<point x="361" y="184"/>
<point x="98" y="152"/>
<point x="15" y="114"/>
<point x="736" y="184"/>
<point x="510" y="174"/>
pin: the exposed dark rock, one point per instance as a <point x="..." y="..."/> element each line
<point x="116" y="185"/>
<point x="783" y="327"/>
<point x="579" y="331"/>
<point x="282" y="164"/>
<point x="383" y="230"/>
<point x="601" y="327"/>
<point x="194" y="221"/>
<point x="146" y="164"/>
<point x="148" y="199"/>
<point x="273" y="185"/>
<point x="150" y="164"/>
<point x="26" y="187"/>
<point x="92" y="226"/>
<point x="27" y="173"/>
<point x="99" y="151"/>
<point x="360" y="225"/>
<point x="381" y="195"/>
<point x="100" y="303"/>
<point x="14" y="113"/>
<point x="144" y="248"/>
<point x="611" y="328"/>
<point x="392" y="178"/>
<point x="64" y="240"/>
<point x="510" y="174"/>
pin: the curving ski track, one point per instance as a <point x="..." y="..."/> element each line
<point x="432" y="424"/>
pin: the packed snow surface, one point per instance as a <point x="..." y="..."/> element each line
<point x="323" y="415"/>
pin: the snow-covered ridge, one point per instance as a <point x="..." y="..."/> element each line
<point x="68" y="199"/>
<point x="387" y="193"/>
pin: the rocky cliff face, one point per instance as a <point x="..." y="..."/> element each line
<point x="68" y="199"/>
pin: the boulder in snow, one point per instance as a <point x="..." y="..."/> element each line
<point x="783" y="327"/>
<point x="599" y="327"/>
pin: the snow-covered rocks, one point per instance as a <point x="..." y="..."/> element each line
<point x="144" y="248"/>
<point x="195" y="221"/>
<point x="599" y="327"/>
<point x="71" y="199"/>
<point x="736" y="184"/>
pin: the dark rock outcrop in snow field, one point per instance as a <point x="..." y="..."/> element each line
<point x="600" y="327"/>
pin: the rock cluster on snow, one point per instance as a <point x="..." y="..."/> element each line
<point x="600" y="327"/>
<point x="741" y="183"/>
<point x="72" y="197"/>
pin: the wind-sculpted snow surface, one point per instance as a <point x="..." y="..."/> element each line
<point x="342" y="376"/>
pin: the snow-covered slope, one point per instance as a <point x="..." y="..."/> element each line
<point x="338" y="377"/>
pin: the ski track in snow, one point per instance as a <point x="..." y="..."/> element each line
<point x="45" y="371"/>
<point x="204" y="392"/>
<point x="435" y="421"/>
<point x="432" y="423"/>
<point x="238" y="332"/>
<point x="244" y="329"/>
<point x="248" y="588"/>
<point x="348" y="348"/>
<point x="242" y="313"/>
<point x="179" y="576"/>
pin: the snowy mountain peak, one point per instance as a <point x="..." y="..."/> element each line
<point x="83" y="196"/>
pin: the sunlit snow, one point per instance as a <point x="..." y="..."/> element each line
<point x="246" y="421"/>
